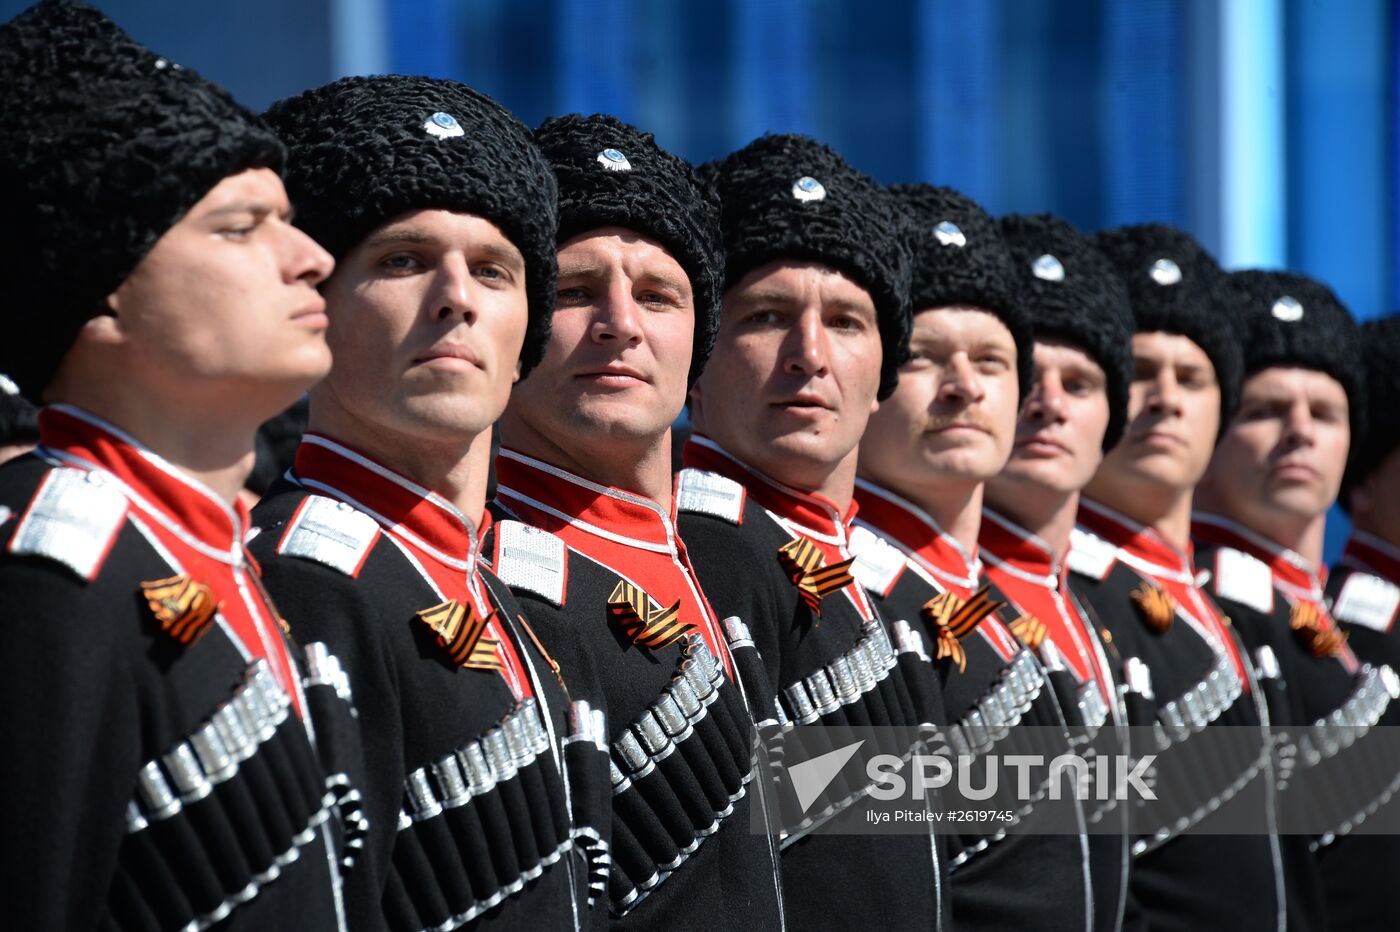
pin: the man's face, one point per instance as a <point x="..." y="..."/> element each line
<point x="1173" y="415"/>
<point x="792" y="381"/>
<point x="227" y="297"/>
<point x="953" y="416"/>
<point x="1284" y="452"/>
<point x="619" y="349"/>
<point x="428" y="314"/>
<point x="1059" y="437"/>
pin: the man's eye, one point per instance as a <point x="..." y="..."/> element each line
<point x="401" y="263"/>
<point x="571" y="295"/>
<point x="762" y="317"/>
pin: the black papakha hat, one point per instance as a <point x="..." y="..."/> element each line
<point x="612" y="174"/>
<point x="1291" y="320"/>
<point x="1074" y="294"/>
<point x="960" y="257"/>
<point x="1380" y="435"/>
<point x="104" y="146"/>
<point x="1172" y="286"/>
<point x="790" y="197"/>
<point x="362" y="151"/>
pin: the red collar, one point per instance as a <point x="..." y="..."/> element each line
<point x="1018" y="550"/>
<point x="814" y="515"/>
<point x="917" y="533"/>
<point x="188" y="508"/>
<point x="1139" y="545"/>
<point x="1292" y="573"/>
<point x="589" y="506"/>
<point x="1370" y="554"/>
<point x="405" y="508"/>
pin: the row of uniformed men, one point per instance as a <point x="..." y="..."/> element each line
<point x="540" y="712"/>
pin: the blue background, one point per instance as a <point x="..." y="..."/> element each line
<point x="1265" y="127"/>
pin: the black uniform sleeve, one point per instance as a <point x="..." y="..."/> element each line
<point x="322" y="604"/>
<point x="69" y="724"/>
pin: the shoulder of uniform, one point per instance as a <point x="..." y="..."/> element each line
<point x="531" y="559"/>
<point x="73" y="518"/>
<point x="1243" y="578"/>
<point x="878" y="562"/>
<point x="1368" y="601"/>
<point x="331" y="533"/>
<point x="1090" y="555"/>
<point x="701" y="492"/>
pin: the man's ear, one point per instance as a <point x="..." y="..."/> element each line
<point x="105" y="326"/>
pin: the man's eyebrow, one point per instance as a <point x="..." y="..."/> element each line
<point x="766" y="296"/>
<point x="387" y="237"/>
<point x="580" y="267"/>
<point x="257" y="208"/>
<point x="680" y="286"/>
<point x="503" y="253"/>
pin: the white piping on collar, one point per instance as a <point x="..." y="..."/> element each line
<point x="156" y="460"/>
<point x="402" y="482"/>
<point x="973" y="563"/>
<point x="504" y="492"/>
<point x="1291" y="557"/>
<point x="467" y="565"/>
<point x="836" y="518"/>
<point x="1029" y="537"/>
<point x="609" y="491"/>
<point x="1375" y="543"/>
<point x="1176" y="574"/>
<point x="231" y="557"/>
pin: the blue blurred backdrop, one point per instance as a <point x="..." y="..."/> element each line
<point x="1268" y="128"/>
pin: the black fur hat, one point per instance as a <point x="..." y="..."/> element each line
<point x="612" y="174"/>
<point x="1075" y="294"/>
<point x="1380" y="435"/>
<point x="362" y="151"/>
<point x="1172" y="285"/>
<point x="104" y="146"/>
<point x="790" y="197"/>
<point x="960" y="257"/>
<point x="1291" y="320"/>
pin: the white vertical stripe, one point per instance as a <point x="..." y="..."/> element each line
<point x="1253" y="150"/>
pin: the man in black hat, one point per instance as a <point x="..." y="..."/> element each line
<point x="1262" y="508"/>
<point x="1183" y="665"/>
<point x="441" y="212"/>
<point x="161" y="751"/>
<point x="1364" y="586"/>
<point x="1073" y="412"/>
<point x="924" y="459"/>
<point x="813" y="328"/>
<point x="587" y="537"/>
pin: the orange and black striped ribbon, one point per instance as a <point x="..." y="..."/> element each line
<point x="802" y="560"/>
<point x="645" y="623"/>
<point x="1030" y="629"/>
<point x="1320" y="639"/>
<point x="955" y="619"/>
<point x="183" y="607"/>
<point x="1155" y="604"/>
<point x="462" y="631"/>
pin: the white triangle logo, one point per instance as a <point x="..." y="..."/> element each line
<point x="811" y="777"/>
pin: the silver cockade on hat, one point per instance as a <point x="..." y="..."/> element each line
<point x="1165" y="272"/>
<point x="948" y="234"/>
<point x="614" y="161"/>
<point x="808" y="188"/>
<point x="443" y="125"/>
<point x="1048" y="268"/>
<point x="1287" y="309"/>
